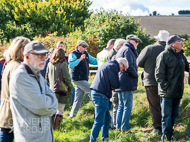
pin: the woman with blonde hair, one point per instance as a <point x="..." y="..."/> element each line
<point x="57" y="61"/>
<point x="14" y="57"/>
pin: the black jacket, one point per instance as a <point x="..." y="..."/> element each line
<point x="111" y="54"/>
<point x="169" y="73"/>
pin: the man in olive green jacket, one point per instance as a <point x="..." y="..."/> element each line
<point x="169" y="74"/>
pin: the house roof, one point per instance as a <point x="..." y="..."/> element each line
<point x="173" y="24"/>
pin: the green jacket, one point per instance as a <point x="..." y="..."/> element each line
<point x="169" y="73"/>
<point x="51" y="75"/>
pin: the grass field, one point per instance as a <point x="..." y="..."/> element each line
<point x="78" y="129"/>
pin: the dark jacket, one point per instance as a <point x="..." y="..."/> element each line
<point x="106" y="78"/>
<point x="43" y="72"/>
<point x="51" y="76"/>
<point x="169" y="73"/>
<point x="111" y="54"/>
<point x="81" y="71"/>
<point x="128" y="78"/>
<point x="147" y="60"/>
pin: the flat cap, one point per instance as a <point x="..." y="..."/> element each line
<point x="131" y="36"/>
<point x="82" y="42"/>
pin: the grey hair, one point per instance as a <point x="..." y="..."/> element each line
<point x="59" y="42"/>
<point x="123" y="61"/>
<point x="118" y="42"/>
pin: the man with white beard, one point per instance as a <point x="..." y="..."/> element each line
<point x="32" y="101"/>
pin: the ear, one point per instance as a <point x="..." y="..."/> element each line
<point x="22" y="50"/>
<point x="26" y="56"/>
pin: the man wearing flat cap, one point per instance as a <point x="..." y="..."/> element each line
<point x="32" y="101"/>
<point x="128" y="81"/>
<point x="79" y="61"/>
<point x="169" y="74"/>
<point x="147" y="60"/>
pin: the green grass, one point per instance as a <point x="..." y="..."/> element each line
<point x="78" y="129"/>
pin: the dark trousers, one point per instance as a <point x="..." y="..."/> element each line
<point x="154" y="105"/>
<point x="6" y="135"/>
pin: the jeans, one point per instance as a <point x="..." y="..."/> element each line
<point x="72" y="96"/>
<point x="188" y="134"/>
<point x="169" y="110"/>
<point x="81" y="87"/>
<point x="102" y="116"/>
<point x="6" y="135"/>
<point x="124" y="110"/>
<point x="115" y="101"/>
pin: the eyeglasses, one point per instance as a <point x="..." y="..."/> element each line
<point x="179" y="42"/>
<point x="39" y="55"/>
<point x="137" y="41"/>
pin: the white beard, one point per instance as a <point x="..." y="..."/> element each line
<point x="36" y="66"/>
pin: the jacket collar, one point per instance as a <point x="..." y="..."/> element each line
<point x="30" y="70"/>
<point x="171" y="49"/>
<point x="131" y="47"/>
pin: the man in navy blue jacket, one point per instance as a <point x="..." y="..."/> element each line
<point x="128" y="80"/>
<point x="105" y="80"/>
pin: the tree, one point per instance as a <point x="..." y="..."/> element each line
<point x="184" y="12"/>
<point x="45" y="15"/>
<point x="154" y="13"/>
<point x="104" y="25"/>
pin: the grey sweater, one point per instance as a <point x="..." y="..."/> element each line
<point x="147" y="60"/>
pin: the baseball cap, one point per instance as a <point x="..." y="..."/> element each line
<point x="174" y="38"/>
<point x="163" y="35"/>
<point x="82" y="42"/>
<point x="35" y="46"/>
<point x="131" y="36"/>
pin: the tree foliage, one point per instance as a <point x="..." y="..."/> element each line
<point x="42" y="16"/>
<point x="154" y="13"/>
<point x="184" y="12"/>
<point x="105" y="25"/>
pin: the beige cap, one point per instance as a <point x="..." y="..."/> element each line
<point x="82" y="42"/>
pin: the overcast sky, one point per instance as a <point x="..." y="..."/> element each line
<point x="143" y="7"/>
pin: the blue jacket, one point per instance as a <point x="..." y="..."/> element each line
<point x="128" y="78"/>
<point x="106" y="78"/>
<point x="80" y="69"/>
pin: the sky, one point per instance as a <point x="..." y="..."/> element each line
<point x="142" y="7"/>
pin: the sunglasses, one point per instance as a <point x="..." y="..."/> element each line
<point x="83" y="46"/>
<point x="39" y="55"/>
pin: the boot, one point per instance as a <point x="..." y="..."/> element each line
<point x="52" y="121"/>
<point x="157" y="131"/>
<point x="57" y="122"/>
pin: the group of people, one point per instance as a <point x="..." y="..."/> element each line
<point x="163" y="77"/>
<point x="30" y="106"/>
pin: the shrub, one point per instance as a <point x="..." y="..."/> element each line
<point x="105" y="25"/>
<point x="47" y="15"/>
<point x="186" y="47"/>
